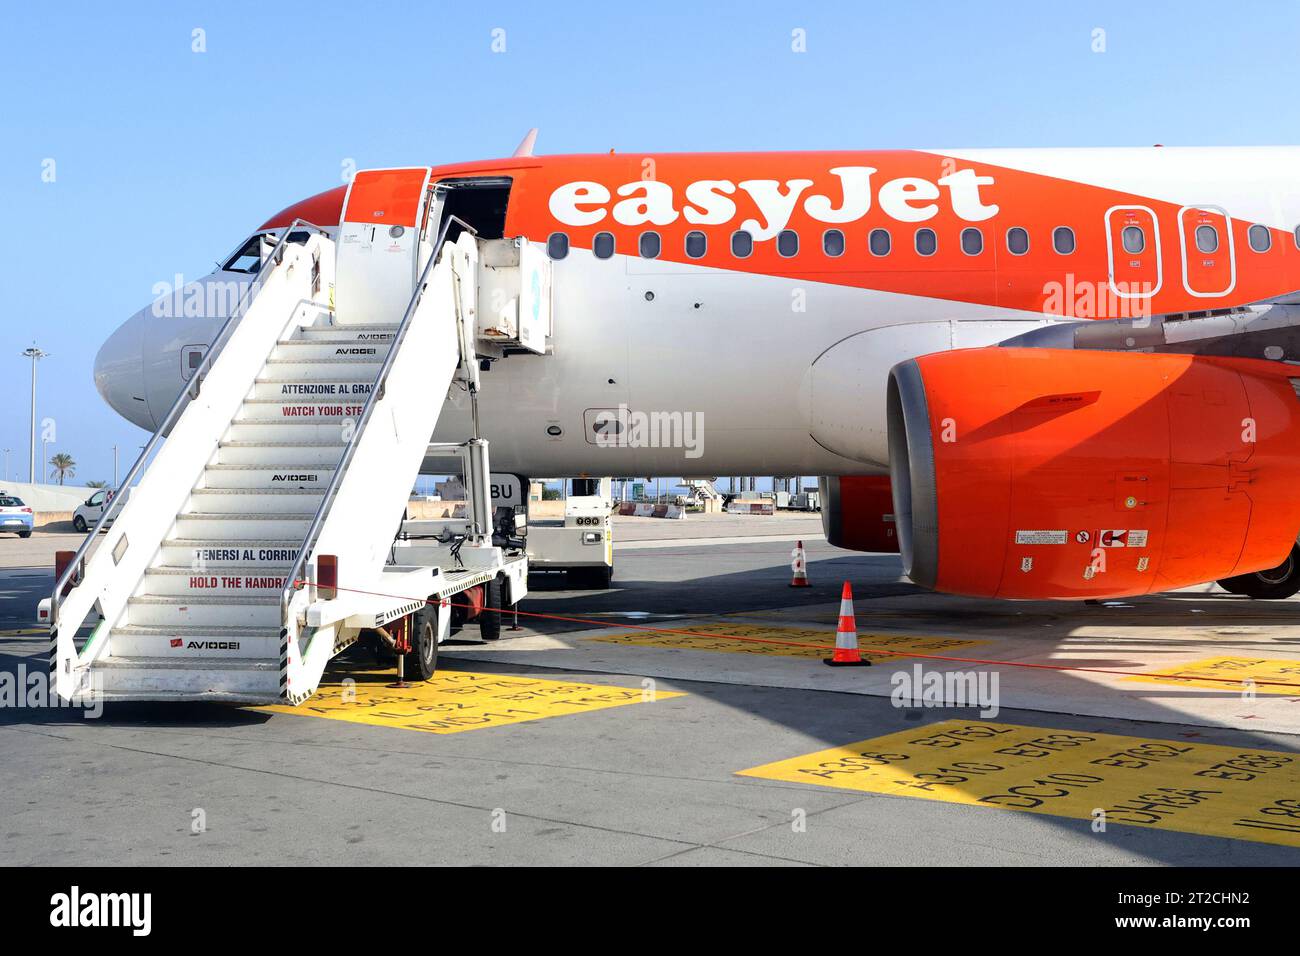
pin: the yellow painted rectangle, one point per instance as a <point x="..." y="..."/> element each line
<point x="456" y="701"/>
<point x="1267" y="673"/>
<point x="786" y="641"/>
<point x="1242" y="793"/>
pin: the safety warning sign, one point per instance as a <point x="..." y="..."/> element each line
<point x="1040" y="537"/>
<point x="1232" y="675"/>
<point x="785" y="641"/>
<point x="455" y="701"/>
<point x="1243" y="793"/>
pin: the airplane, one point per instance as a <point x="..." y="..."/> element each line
<point x="1034" y="373"/>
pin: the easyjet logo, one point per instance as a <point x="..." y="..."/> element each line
<point x="772" y="201"/>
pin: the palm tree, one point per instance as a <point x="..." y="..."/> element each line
<point x="63" y="466"/>
<point x="97" y="484"/>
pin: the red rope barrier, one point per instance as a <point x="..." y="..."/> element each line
<point x="825" y="647"/>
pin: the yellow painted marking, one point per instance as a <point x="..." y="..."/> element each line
<point x="22" y="632"/>
<point x="457" y="700"/>
<point x="1236" y="670"/>
<point x="1241" y="793"/>
<point x="825" y="641"/>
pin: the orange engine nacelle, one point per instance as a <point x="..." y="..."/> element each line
<point x="858" y="513"/>
<point x="1044" y="473"/>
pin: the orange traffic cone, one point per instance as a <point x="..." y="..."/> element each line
<point x="799" y="565"/>
<point x="846" y="635"/>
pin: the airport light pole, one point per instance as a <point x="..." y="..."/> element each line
<point x="114" y="467"/>
<point x="35" y="355"/>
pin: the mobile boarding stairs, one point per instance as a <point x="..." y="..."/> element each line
<point x="262" y="537"/>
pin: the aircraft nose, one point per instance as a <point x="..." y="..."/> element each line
<point x="119" y="372"/>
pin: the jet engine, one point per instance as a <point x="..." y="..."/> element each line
<point x="858" y="513"/>
<point x="1050" y="473"/>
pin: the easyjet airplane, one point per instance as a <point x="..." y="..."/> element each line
<point x="1076" y="365"/>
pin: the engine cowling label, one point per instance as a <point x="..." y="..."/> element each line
<point x="1041" y="537"/>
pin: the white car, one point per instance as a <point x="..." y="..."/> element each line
<point x="15" y="515"/>
<point x="90" y="510"/>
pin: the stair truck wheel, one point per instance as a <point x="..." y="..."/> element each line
<point x="489" y="620"/>
<point x="1274" y="584"/>
<point x="423" y="659"/>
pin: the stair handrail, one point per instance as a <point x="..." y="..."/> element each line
<point x="190" y="390"/>
<point x="292" y="581"/>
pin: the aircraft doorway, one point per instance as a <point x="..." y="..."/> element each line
<point x="479" y="202"/>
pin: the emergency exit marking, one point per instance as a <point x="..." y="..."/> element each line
<point x="730" y="639"/>
<point x="1224" y="670"/>
<point x="1241" y="793"/>
<point x="457" y="700"/>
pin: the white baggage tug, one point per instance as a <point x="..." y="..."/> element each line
<point x="267" y="533"/>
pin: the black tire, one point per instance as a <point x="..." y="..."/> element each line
<point x="1275" y="584"/>
<point x="590" y="579"/>
<point x="24" y="534"/>
<point x="423" y="659"/>
<point x="79" y="524"/>
<point x="489" y="620"/>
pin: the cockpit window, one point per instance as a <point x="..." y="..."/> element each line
<point x="248" y="259"/>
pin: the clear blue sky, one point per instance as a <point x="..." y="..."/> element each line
<point x="165" y="158"/>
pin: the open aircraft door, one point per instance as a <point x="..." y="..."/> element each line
<point x="380" y="247"/>
<point x="1133" y="252"/>
<point x="1209" y="263"/>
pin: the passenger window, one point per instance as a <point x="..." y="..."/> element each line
<point x="1296" y="234"/>
<point x="1133" y="239"/>
<point x="649" y="245"/>
<point x="926" y="243"/>
<point x="1017" y="241"/>
<point x="787" y="243"/>
<point x="972" y="241"/>
<point x="879" y="242"/>
<point x="95" y="500"/>
<point x="742" y="244"/>
<point x="697" y="244"/>
<point x="602" y="245"/>
<point x="1207" y="239"/>
<point x="1261" y="240"/>
<point x="557" y="246"/>
<point x="833" y="243"/>
<point x="1063" y="240"/>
